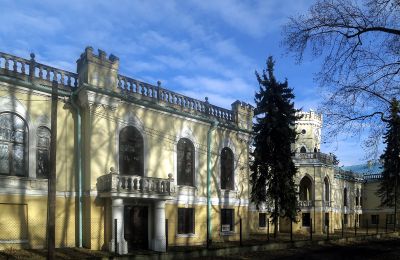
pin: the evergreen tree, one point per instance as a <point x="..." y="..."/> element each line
<point x="388" y="187"/>
<point x="272" y="168"/>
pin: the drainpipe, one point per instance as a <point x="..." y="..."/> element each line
<point x="78" y="152"/>
<point x="212" y="127"/>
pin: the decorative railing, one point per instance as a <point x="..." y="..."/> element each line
<point x="114" y="182"/>
<point x="159" y="94"/>
<point x="327" y="204"/>
<point x="305" y="203"/>
<point x="372" y="176"/>
<point x="320" y="157"/>
<point x="358" y="208"/>
<point x="36" y="71"/>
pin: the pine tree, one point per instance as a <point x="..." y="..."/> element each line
<point x="388" y="187"/>
<point x="272" y="168"/>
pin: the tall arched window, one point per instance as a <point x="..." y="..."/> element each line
<point x="185" y="162"/>
<point x="303" y="149"/>
<point x="345" y="197"/>
<point x="13" y="145"/>
<point x="305" y="189"/>
<point x="130" y="151"/>
<point x="227" y="175"/>
<point x="326" y="184"/>
<point x="43" y="152"/>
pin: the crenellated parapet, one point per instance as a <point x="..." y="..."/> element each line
<point x="98" y="70"/>
<point x="243" y="114"/>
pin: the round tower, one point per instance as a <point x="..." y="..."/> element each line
<point x="309" y="132"/>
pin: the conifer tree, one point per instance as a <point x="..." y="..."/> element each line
<point x="388" y="187"/>
<point x="273" y="170"/>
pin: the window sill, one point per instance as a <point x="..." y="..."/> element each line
<point x="227" y="233"/>
<point x="262" y="228"/>
<point x="186" y="235"/>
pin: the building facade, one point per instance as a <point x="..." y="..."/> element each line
<point x="140" y="166"/>
<point x="130" y="157"/>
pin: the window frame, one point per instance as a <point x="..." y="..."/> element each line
<point x="223" y="174"/>
<point x="40" y="147"/>
<point x="180" y="162"/>
<point x="186" y="221"/>
<point x="262" y="220"/>
<point x="224" y="220"/>
<point x="11" y="145"/>
<point x="125" y="167"/>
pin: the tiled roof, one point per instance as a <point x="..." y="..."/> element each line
<point x="365" y="169"/>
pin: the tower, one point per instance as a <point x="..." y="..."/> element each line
<point x="309" y="132"/>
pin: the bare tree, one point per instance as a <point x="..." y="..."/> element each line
<point x="359" y="41"/>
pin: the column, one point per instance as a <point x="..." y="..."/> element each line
<point x="118" y="214"/>
<point x="158" y="243"/>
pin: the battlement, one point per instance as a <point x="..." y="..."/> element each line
<point x="310" y="116"/>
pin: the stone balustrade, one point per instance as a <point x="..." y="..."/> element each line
<point x="13" y="66"/>
<point x="314" y="157"/>
<point x="305" y="203"/>
<point x="168" y="97"/>
<point x="134" y="186"/>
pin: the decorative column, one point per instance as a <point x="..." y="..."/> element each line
<point x="118" y="214"/>
<point x="158" y="243"/>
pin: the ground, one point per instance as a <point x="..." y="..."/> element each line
<point x="386" y="249"/>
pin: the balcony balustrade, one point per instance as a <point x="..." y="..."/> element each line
<point x="116" y="185"/>
<point x="314" y="157"/>
<point x="305" y="203"/>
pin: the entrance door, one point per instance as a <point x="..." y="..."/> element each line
<point x="136" y="224"/>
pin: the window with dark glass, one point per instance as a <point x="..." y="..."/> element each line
<point x="227" y="220"/>
<point x="43" y="152"/>
<point x="130" y="151"/>
<point x="305" y="219"/>
<point x="374" y="219"/>
<point x="390" y="218"/>
<point x="227" y="177"/>
<point x="262" y="219"/>
<point x="345" y="197"/>
<point x="185" y="162"/>
<point x="13" y="145"/>
<point x="345" y="219"/>
<point x="303" y="149"/>
<point x="186" y="221"/>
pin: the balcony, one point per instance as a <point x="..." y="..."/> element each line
<point x="313" y="158"/>
<point x="131" y="186"/>
<point x="305" y="203"/>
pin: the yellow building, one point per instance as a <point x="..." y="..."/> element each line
<point x="140" y="166"/>
<point x="130" y="156"/>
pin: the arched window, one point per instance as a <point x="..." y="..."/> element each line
<point x="130" y="151"/>
<point x="345" y="197"/>
<point x="315" y="150"/>
<point x="305" y="189"/>
<point x="303" y="149"/>
<point x="227" y="176"/>
<point x="43" y="152"/>
<point x="185" y="162"/>
<point x="326" y="184"/>
<point x="13" y="145"/>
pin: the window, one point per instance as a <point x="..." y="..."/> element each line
<point x="345" y="219"/>
<point x="305" y="189"/>
<point x="374" y="219"/>
<point x="305" y="219"/>
<point x="227" y="220"/>
<point x="303" y="131"/>
<point x="326" y="184"/>
<point x="262" y="219"/>
<point x="130" y="151"/>
<point x="13" y="145"/>
<point x="43" y="152"/>
<point x="358" y="197"/>
<point x="227" y="177"/>
<point x="345" y="197"/>
<point x="186" y="221"/>
<point x="390" y="218"/>
<point x="185" y="162"/>
<point x="303" y="149"/>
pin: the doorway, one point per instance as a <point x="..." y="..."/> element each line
<point x="136" y="227"/>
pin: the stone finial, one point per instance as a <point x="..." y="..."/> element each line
<point x="112" y="170"/>
<point x="158" y="83"/>
<point x="32" y="56"/>
<point x="206" y="98"/>
<point x="113" y="58"/>
<point x="170" y="176"/>
<point x="102" y="54"/>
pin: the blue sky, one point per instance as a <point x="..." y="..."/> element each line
<point x="198" y="48"/>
